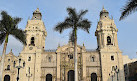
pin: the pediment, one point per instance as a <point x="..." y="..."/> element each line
<point x="70" y="48"/>
<point x="10" y="54"/>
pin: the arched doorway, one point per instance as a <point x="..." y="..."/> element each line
<point x="48" y="77"/>
<point x="6" y="78"/>
<point x="71" y="75"/>
<point x="93" y="77"/>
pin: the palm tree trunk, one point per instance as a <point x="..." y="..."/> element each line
<point x="3" y="56"/>
<point x="75" y="56"/>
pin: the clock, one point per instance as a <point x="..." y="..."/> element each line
<point x="31" y="48"/>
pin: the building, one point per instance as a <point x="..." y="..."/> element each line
<point x="127" y="60"/>
<point x="103" y="64"/>
<point x="130" y="70"/>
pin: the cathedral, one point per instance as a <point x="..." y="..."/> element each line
<point x="34" y="63"/>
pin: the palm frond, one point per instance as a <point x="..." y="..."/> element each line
<point x="16" y="20"/>
<point x="4" y="14"/>
<point x="19" y="34"/>
<point x="85" y="25"/>
<point x="62" y="26"/>
<point x="72" y="13"/>
<point x="6" y="21"/>
<point x="2" y="37"/>
<point x="82" y="12"/>
<point x="74" y="21"/>
<point x="69" y="20"/>
<point x="129" y="8"/>
<point x="2" y="29"/>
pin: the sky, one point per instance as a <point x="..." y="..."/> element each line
<point x="54" y="11"/>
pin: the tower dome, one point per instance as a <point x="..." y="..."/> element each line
<point x="37" y="15"/>
<point x="104" y="13"/>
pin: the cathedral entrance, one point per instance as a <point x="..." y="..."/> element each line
<point x="48" y="77"/>
<point x="71" y="75"/>
<point x="6" y="78"/>
<point x="93" y="77"/>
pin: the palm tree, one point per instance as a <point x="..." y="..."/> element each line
<point x="9" y="26"/>
<point x="74" y="21"/>
<point x="129" y="8"/>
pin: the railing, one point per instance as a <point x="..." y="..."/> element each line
<point x="91" y="50"/>
<point x="51" y="50"/>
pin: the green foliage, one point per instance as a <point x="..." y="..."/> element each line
<point x="74" y="21"/>
<point x="129" y="8"/>
<point x="9" y="26"/>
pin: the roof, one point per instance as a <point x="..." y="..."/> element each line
<point x="103" y="11"/>
<point x="37" y="11"/>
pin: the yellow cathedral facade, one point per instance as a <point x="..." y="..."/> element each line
<point x="37" y="64"/>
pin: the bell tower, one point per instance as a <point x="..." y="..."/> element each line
<point x="106" y="32"/>
<point x="110" y="54"/>
<point x="36" y="32"/>
<point x="31" y="53"/>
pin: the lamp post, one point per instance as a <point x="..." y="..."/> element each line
<point x="29" y="74"/>
<point x="112" y="74"/>
<point x="19" y="67"/>
<point x="117" y="71"/>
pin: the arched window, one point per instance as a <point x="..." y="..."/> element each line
<point x="109" y="40"/>
<point x="14" y="64"/>
<point x="23" y="64"/>
<point x="8" y="60"/>
<point x="29" y="70"/>
<point x="32" y="41"/>
<point x="92" y="59"/>
<point x="8" y="67"/>
<point x="48" y="77"/>
<point x="49" y="59"/>
<point x="6" y="78"/>
<point x="113" y="68"/>
<point x="29" y="59"/>
<point x="93" y="77"/>
<point x="70" y="56"/>
<point x="71" y="75"/>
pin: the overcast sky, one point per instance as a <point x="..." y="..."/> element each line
<point x="54" y="11"/>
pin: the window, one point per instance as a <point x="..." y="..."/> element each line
<point x="29" y="70"/>
<point x="32" y="41"/>
<point x="8" y="60"/>
<point x="70" y="56"/>
<point x="49" y="59"/>
<point x="109" y="40"/>
<point x="113" y="68"/>
<point x="8" y="67"/>
<point x="23" y="64"/>
<point x="92" y="59"/>
<point x="19" y="60"/>
<point x="14" y="64"/>
<point x="29" y="59"/>
<point x="112" y="57"/>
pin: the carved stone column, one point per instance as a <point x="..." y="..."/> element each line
<point x="98" y="78"/>
<point x="84" y="66"/>
<point x="58" y="66"/>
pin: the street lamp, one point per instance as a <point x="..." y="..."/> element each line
<point x="112" y="74"/>
<point x="29" y="74"/>
<point x="19" y="67"/>
<point x="117" y="71"/>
